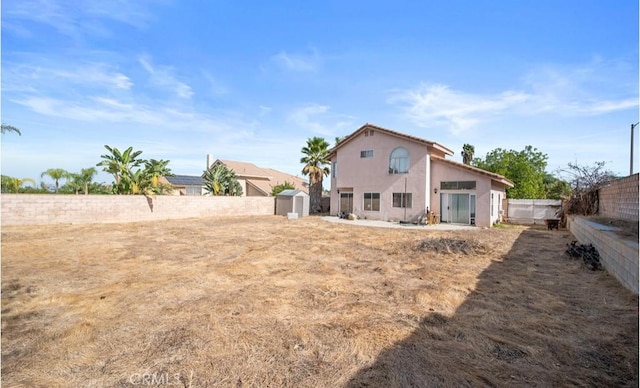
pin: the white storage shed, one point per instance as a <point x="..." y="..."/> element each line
<point x="292" y="201"/>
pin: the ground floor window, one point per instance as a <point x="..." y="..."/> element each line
<point x="402" y="200"/>
<point x="372" y="202"/>
<point x="193" y="190"/>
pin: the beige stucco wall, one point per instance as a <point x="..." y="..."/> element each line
<point x="371" y="175"/>
<point x="37" y="209"/>
<point x="484" y="188"/>
<point x="366" y="175"/>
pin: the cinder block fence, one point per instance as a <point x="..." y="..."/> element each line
<point x="41" y="209"/>
<point x="619" y="200"/>
<point x="618" y="255"/>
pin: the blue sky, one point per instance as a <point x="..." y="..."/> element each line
<point x="251" y="81"/>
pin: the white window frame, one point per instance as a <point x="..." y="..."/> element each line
<point x="399" y="164"/>
<point x="371" y="201"/>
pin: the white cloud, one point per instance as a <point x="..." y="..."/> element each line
<point x="162" y="77"/>
<point x="38" y="74"/>
<point x="76" y="18"/>
<point x="316" y="118"/>
<point x="264" y="110"/>
<point x="297" y="62"/>
<point x="593" y="89"/>
<point x="215" y="86"/>
<point x="438" y="105"/>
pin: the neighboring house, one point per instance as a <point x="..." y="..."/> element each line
<point x="185" y="184"/>
<point x="255" y="181"/>
<point x="381" y="174"/>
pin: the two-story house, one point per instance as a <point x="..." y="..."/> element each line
<point x="381" y="174"/>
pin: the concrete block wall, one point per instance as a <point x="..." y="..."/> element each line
<point x="41" y="209"/>
<point x="620" y="199"/>
<point x="618" y="255"/>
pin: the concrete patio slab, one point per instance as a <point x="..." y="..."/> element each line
<point x="388" y="224"/>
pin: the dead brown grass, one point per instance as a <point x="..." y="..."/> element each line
<point x="270" y="302"/>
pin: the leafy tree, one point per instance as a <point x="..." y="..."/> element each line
<point x="277" y="189"/>
<point x="556" y="188"/>
<point x="119" y="164"/>
<point x="10" y="128"/>
<point x="315" y="165"/>
<point x="526" y="169"/>
<point x="13" y="185"/>
<point x="467" y="153"/>
<point x="56" y="174"/>
<point x="220" y="180"/>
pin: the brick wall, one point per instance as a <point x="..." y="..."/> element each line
<point x="39" y="209"/>
<point x="620" y="199"/>
<point x="618" y="255"/>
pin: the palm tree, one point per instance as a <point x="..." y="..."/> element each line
<point x="467" y="153"/>
<point x="119" y="164"/>
<point x="13" y="185"/>
<point x="56" y="174"/>
<point x="155" y="169"/>
<point x="74" y="183"/>
<point x="85" y="177"/>
<point x="10" y="128"/>
<point x="220" y="180"/>
<point x="316" y="166"/>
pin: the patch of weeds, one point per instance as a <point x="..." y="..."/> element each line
<point x="451" y="245"/>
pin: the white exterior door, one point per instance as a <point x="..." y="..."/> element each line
<point x="444" y="208"/>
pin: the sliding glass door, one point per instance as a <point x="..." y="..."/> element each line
<point x="457" y="208"/>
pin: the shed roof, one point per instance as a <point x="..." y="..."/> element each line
<point x="291" y="193"/>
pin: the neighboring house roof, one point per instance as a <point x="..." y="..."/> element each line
<point x="263" y="179"/>
<point x="494" y="176"/>
<point x="244" y="169"/>
<point x="367" y="126"/>
<point x="185" y="180"/>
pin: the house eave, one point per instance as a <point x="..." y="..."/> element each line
<point x="495" y="177"/>
<point x="428" y="143"/>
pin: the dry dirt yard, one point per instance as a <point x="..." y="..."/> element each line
<point x="265" y="301"/>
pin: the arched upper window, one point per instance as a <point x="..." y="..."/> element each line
<point x="399" y="161"/>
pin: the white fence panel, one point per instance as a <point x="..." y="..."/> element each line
<point x="532" y="211"/>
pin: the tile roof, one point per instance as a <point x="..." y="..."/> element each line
<point x="494" y="176"/>
<point x="244" y="169"/>
<point x="263" y="179"/>
<point x="347" y="138"/>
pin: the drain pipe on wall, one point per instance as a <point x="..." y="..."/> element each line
<point x="405" y="199"/>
